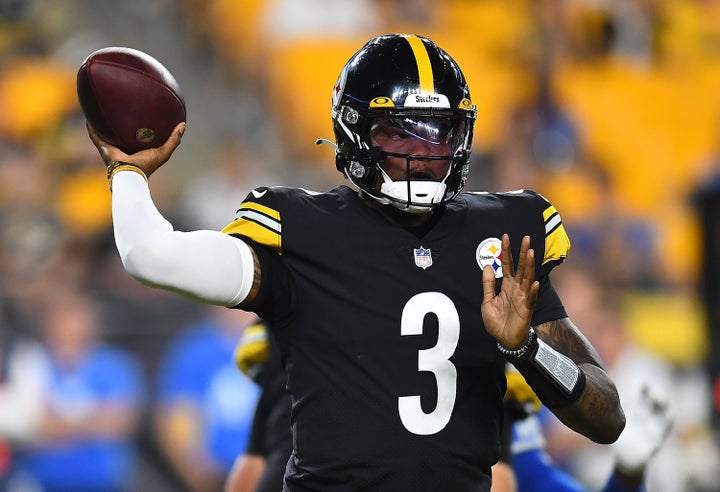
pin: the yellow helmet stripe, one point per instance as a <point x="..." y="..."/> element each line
<point x="423" y="63"/>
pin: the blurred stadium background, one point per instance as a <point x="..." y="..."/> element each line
<point x="609" y="108"/>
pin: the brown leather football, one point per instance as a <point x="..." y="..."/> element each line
<point x="129" y="98"/>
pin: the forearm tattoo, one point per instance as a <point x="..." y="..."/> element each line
<point x="599" y="403"/>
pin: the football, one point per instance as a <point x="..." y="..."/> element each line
<point x="129" y="98"/>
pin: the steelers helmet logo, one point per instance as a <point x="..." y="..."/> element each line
<point x="489" y="252"/>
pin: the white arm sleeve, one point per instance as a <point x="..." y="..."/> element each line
<point x="208" y="266"/>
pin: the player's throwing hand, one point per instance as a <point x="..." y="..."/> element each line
<point x="148" y="160"/>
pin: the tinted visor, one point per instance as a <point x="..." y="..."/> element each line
<point x="434" y="130"/>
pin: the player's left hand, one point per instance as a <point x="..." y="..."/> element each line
<point x="507" y="314"/>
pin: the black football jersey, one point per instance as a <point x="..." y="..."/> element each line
<point x="395" y="383"/>
<point x="270" y="436"/>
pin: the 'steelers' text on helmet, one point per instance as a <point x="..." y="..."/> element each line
<point x="408" y="79"/>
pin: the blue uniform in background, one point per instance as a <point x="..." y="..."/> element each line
<point x="107" y="376"/>
<point x="199" y="367"/>
<point x="534" y="469"/>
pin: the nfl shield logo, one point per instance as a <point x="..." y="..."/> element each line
<point x="423" y="257"/>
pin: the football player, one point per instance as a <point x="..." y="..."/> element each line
<point x="524" y="465"/>
<point x="395" y="301"/>
<point x="533" y="470"/>
<point x="262" y="466"/>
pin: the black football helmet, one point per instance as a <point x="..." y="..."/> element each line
<point x="414" y="83"/>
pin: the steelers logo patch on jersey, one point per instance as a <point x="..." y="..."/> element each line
<point x="489" y="252"/>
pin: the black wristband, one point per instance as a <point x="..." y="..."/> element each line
<point x="554" y="377"/>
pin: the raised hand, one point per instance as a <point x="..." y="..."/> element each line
<point x="507" y="314"/>
<point x="148" y="160"/>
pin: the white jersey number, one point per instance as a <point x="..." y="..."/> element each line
<point x="434" y="359"/>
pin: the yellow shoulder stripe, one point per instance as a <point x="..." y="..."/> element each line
<point x="262" y="209"/>
<point x="259" y="223"/>
<point x="557" y="242"/>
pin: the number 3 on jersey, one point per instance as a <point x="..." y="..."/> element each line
<point x="435" y="359"/>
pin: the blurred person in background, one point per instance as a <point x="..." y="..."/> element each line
<point x="32" y="238"/>
<point x="204" y="405"/>
<point x="706" y="199"/>
<point x="23" y="379"/>
<point x="527" y="467"/>
<point x="678" y="467"/>
<point x="404" y="142"/>
<point x="262" y="466"/>
<point x="93" y="400"/>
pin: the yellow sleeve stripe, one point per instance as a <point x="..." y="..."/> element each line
<point x="557" y="242"/>
<point x="272" y="213"/>
<point x="256" y="232"/>
<point x="259" y="223"/>
<point x="422" y="58"/>
<point x="549" y="212"/>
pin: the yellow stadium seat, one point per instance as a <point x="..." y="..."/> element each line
<point x="235" y="28"/>
<point x="654" y="318"/>
<point x="300" y="80"/>
<point x="83" y="203"/>
<point x="35" y="94"/>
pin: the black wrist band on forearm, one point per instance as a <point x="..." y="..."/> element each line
<point x="554" y="377"/>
